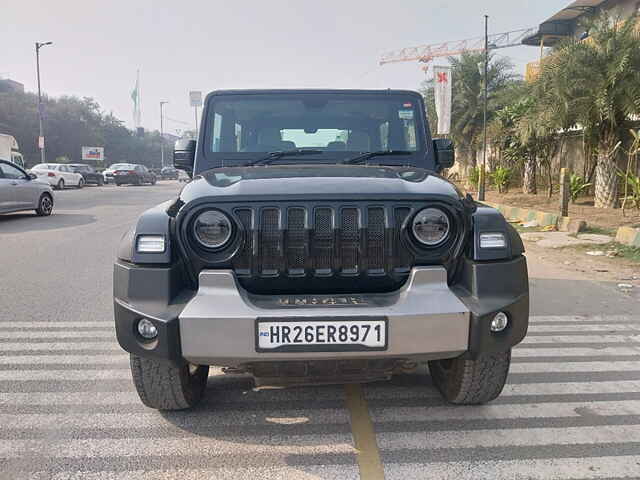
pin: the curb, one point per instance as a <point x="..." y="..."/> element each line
<point x="624" y="235"/>
<point x="628" y="236"/>
<point x="543" y="218"/>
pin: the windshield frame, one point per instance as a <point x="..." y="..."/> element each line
<point x="207" y="159"/>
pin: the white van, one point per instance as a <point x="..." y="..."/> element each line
<point x="9" y="150"/>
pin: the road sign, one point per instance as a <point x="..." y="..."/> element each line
<point x="93" y="153"/>
<point x="195" y="97"/>
<point x="40" y="143"/>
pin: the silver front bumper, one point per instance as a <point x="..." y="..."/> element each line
<point x="426" y="320"/>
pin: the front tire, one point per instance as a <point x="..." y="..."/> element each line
<point x="162" y="386"/>
<point x="45" y="205"/>
<point x="471" y="382"/>
<point x="81" y="183"/>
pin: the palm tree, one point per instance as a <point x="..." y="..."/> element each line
<point x="468" y="94"/>
<point x="595" y="85"/>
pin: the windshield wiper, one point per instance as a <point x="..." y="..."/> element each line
<point x="366" y="156"/>
<point x="284" y="153"/>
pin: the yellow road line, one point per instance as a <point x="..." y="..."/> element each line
<point x="364" y="437"/>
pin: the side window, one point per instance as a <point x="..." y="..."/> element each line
<point x="238" y="133"/>
<point x="384" y="136"/>
<point x="409" y="127"/>
<point x="11" y="172"/>
<point x="63" y="168"/>
<point x="217" y="132"/>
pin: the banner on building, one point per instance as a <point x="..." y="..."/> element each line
<point x="442" y="90"/>
<point x="95" y="154"/>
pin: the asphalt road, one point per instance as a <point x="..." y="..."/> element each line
<point x="68" y="409"/>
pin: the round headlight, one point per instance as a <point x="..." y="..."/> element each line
<point x="212" y="229"/>
<point x="431" y="226"/>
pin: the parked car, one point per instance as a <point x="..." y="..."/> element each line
<point x="134" y="175"/>
<point x="88" y="173"/>
<point x="169" y="173"/>
<point x="20" y="190"/>
<point x="183" y="177"/>
<point x="297" y="258"/>
<point x="58" y="175"/>
<point x="107" y="174"/>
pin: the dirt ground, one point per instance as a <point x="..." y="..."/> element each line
<point x="574" y="261"/>
<point x="583" y="209"/>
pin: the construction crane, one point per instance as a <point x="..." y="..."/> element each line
<point x="426" y="53"/>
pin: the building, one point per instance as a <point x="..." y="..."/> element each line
<point x="568" y="22"/>
<point x="10" y="86"/>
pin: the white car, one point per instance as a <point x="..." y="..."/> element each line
<point x="58" y="175"/>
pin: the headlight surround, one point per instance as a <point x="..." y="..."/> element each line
<point x="212" y="229"/>
<point x="431" y="227"/>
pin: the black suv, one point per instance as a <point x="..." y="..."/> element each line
<point x="88" y="173"/>
<point x="317" y="243"/>
<point x="133" y="174"/>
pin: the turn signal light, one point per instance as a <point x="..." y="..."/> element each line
<point x="150" y="244"/>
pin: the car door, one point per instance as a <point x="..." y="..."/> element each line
<point x="6" y="192"/>
<point x="68" y="176"/>
<point x="20" y="188"/>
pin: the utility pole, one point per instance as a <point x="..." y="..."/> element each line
<point x="162" y="133"/>
<point x="40" y="112"/>
<point x="483" y="170"/>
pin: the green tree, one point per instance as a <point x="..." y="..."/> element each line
<point x="467" y="112"/>
<point x="595" y="85"/>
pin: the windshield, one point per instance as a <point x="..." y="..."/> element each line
<point x="243" y="128"/>
<point x="116" y="166"/>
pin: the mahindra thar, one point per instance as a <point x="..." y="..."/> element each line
<point x="318" y="243"/>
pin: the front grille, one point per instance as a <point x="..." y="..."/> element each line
<point x="322" y="241"/>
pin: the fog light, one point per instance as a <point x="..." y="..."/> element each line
<point x="499" y="322"/>
<point x="147" y="330"/>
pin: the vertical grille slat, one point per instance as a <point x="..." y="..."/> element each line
<point x="242" y="261"/>
<point x="296" y="241"/>
<point x="323" y="241"/>
<point x="350" y="241"/>
<point x="404" y="259"/>
<point x="270" y="242"/>
<point x="376" y="228"/>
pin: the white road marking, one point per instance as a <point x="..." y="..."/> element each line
<point x="529" y="437"/>
<point x="487" y="412"/>
<point x="547" y="469"/>
<point x="558" y="367"/>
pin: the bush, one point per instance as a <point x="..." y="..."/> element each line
<point x="474" y="176"/>
<point x="501" y="177"/>
<point x="633" y="182"/>
<point x="577" y="185"/>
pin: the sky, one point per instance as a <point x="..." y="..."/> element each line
<point x="209" y="45"/>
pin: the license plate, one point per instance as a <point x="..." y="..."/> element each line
<point x="318" y="335"/>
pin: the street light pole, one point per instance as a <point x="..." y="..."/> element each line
<point x="40" y="119"/>
<point x="481" y="189"/>
<point x="162" y="133"/>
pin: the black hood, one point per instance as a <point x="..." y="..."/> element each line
<point x="319" y="181"/>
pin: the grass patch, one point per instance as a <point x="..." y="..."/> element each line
<point x="599" y="230"/>
<point x="625" y="252"/>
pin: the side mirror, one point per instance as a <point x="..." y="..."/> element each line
<point x="32" y="176"/>
<point x="184" y="155"/>
<point x="445" y="154"/>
